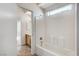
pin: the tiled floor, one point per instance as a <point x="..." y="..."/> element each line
<point x="24" y="51"/>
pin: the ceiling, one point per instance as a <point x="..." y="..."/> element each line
<point x="31" y="6"/>
<point x="37" y="8"/>
<point x="45" y="5"/>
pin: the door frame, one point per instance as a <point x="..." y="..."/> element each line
<point x="33" y="36"/>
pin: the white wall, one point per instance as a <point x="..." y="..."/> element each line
<point x="22" y="19"/>
<point x="58" y="32"/>
<point x="8" y="25"/>
<point x="40" y="30"/>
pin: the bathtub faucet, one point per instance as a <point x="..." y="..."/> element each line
<point x="41" y="41"/>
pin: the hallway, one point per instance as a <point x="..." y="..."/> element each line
<point x="24" y="51"/>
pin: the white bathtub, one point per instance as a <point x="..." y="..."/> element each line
<point x="44" y="52"/>
<point x="40" y="51"/>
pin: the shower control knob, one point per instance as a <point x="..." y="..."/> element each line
<point x="41" y="38"/>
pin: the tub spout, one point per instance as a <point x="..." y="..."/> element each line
<point x="41" y="41"/>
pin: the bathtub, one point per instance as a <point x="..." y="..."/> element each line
<point x="40" y="51"/>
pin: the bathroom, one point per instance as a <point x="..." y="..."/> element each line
<point x="55" y="30"/>
<point x="51" y="28"/>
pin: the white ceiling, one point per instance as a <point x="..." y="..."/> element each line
<point x="45" y="5"/>
<point x="31" y="6"/>
<point x="36" y="7"/>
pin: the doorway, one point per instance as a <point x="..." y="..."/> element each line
<point x="24" y="34"/>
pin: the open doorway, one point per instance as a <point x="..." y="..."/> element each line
<point x="24" y="34"/>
